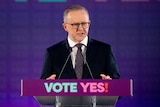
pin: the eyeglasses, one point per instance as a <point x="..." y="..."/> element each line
<point x="76" y="25"/>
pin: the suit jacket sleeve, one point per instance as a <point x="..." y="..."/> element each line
<point x="47" y="66"/>
<point x="112" y="65"/>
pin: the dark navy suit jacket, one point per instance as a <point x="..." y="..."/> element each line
<point x="98" y="55"/>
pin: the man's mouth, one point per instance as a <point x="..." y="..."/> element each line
<point x="81" y="33"/>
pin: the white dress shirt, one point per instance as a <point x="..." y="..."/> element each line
<point x="74" y="49"/>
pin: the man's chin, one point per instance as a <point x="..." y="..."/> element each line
<point x="81" y="38"/>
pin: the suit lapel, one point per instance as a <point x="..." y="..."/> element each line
<point x="90" y="55"/>
<point x="91" y="51"/>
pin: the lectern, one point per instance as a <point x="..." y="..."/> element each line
<point x="77" y="93"/>
<point x="77" y="101"/>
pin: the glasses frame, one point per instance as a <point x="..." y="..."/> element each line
<point x="83" y="24"/>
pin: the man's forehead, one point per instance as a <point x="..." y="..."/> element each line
<point x="78" y="15"/>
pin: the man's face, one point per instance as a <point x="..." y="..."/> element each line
<point x="77" y="25"/>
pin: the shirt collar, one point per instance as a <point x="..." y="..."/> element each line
<point x="72" y="43"/>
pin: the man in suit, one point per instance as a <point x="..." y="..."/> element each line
<point x="60" y="59"/>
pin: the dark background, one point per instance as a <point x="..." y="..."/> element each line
<point x="132" y="27"/>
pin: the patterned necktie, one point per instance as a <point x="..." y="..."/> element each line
<point x="79" y="61"/>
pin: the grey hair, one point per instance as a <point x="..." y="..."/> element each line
<point x="73" y="8"/>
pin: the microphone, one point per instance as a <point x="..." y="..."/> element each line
<point x="85" y="62"/>
<point x="65" y="63"/>
<point x="93" y="98"/>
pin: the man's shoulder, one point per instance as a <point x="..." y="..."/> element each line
<point x="56" y="46"/>
<point x="99" y="43"/>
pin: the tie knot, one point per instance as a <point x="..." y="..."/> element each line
<point x="79" y="45"/>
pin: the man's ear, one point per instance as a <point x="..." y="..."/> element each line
<point x="64" y="26"/>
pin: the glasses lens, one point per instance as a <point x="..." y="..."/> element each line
<point x="75" y="25"/>
<point x="85" y="24"/>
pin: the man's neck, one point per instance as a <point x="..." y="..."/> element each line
<point x="72" y="43"/>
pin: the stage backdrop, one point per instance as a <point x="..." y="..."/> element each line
<point x="132" y="27"/>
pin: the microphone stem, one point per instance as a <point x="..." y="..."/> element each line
<point x="89" y="69"/>
<point x="64" y="66"/>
